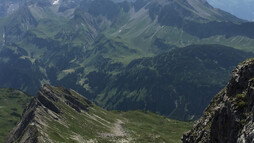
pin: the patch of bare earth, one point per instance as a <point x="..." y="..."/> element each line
<point x="117" y="132"/>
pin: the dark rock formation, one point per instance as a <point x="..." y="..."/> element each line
<point x="229" y="117"/>
<point x="47" y="103"/>
<point x="74" y="103"/>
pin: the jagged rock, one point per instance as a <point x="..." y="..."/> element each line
<point x="74" y="103"/>
<point x="46" y="102"/>
<point x="229" y="117"/>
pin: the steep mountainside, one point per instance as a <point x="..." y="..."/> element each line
<point x="62" y="115"/>
<point x="65" y="42"/>
<point x="178" y="84"/>
<point x="229" y="117"/>
<point x="12" y="104"/>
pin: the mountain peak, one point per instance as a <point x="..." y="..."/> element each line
<point x="194" y="10"/>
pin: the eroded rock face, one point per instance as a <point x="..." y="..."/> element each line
<point x="229" y="117"/>
<point x="46" y="106"/>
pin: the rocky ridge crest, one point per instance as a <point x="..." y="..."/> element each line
<point x="43" y="108"/>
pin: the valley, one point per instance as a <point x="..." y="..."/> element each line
<point x="71" y="45"/>
<point x="124" y="71"/>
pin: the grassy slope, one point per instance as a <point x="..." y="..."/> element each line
<point x="141" y="127"/>
<point x="150" y="127"/>
<point x="144" y="40"/>
<point x="104" y="126"/>
<point x="12" y="104"/>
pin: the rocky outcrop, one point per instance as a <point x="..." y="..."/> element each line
<point x="229" y="118"/>
<point x="45" y="107"/>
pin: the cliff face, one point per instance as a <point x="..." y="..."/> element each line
<point x="229" y="117"/>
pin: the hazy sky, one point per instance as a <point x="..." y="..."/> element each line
<point x="241" y="8"/>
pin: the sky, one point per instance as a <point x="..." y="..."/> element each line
<point x="243" y="9"/>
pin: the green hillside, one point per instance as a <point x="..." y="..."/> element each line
<point x="178" y="84"/>
<point x="12" y="104"/>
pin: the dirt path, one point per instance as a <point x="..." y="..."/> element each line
<point x="116" y="130"/>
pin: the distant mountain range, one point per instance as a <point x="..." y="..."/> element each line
<point x="115" y="52"/>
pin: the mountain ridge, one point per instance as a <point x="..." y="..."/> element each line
<point x="57" y="109"/>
